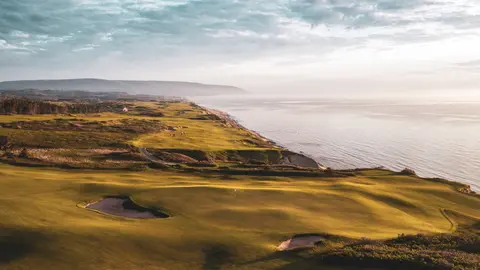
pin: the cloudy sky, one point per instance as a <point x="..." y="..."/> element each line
<point x="259" y="45"/>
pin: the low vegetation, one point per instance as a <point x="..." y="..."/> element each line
<point x="173" y="131"/>
<point x="457" y="250"/>
<point x="82" y="125"/>
<point x="26" y="106"/>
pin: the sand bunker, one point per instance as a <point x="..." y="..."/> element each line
<point x="300" y="242"/>
<point x="124" y="207"/>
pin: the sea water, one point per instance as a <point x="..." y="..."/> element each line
<point x="436" y="139"/>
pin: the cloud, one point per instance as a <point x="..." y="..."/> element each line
<point x="473" y="63"/>
<point x="187" y="33"/>
<point x="470" y="66"/>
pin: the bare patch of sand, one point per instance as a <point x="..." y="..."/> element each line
<point x="124" y="206"/>
<point x="300" y="242"/>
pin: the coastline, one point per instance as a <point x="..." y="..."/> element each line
<point x="347" y="134"/>
<point x="234" y="122"/>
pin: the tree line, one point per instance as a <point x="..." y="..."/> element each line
<point x="26" y="106"/>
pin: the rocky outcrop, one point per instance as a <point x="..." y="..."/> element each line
<point x="300" y="160"/>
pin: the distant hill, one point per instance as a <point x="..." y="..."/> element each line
<point x="162" y="88"/>
<point x="79" y="95"/>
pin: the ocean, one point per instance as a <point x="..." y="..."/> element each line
<point x="436" y="139"/>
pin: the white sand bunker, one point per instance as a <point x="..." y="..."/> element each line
<point x="123" y="206"/>
<point x="306" y="241"/>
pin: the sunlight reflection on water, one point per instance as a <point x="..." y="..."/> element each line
<point x="435" y="139"/>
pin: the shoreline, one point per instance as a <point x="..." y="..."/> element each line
<point x="234" y="122"/>
<point x="231" y="119"/>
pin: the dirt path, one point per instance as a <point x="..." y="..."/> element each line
<point x="453" y="224"/>
<point x="149" y="156"/>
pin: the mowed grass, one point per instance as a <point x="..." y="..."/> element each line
<point x="199" y="135"/>
<point x="218" y="222"/>
<point x="194" y="134"/>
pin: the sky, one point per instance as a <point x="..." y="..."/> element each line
<point x="375" y="46"/>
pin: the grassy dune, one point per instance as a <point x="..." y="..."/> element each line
<point x="218" y="222"/>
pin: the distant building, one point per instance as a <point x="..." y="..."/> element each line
<point x="125" y="109"/>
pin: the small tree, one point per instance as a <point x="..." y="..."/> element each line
<point x="408" y="171"/>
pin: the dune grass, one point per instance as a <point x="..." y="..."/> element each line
<point x="218" y="222"/>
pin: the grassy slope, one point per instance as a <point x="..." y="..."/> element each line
<point x="218" y="221"/>
<point x="200" y="135"/>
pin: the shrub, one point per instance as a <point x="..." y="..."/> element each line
<point x="23" y="153"/>
<point x="408" y="171"/>
<point x="442" y="251"/>
<point x="202" y="164"/>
